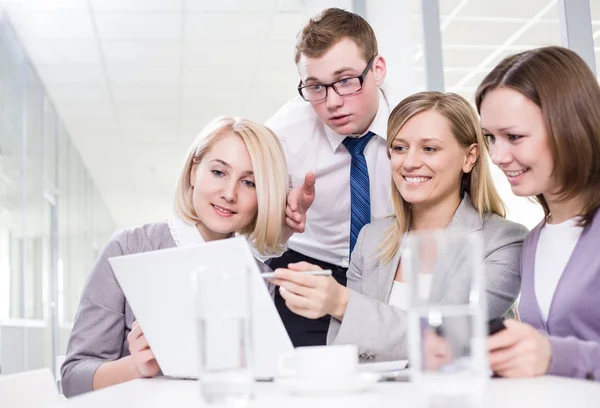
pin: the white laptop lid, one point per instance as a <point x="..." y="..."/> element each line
<point x="158" y="288"/>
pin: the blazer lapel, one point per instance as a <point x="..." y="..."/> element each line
<point x="466" y="217"/>
<point x="386" y="276"/>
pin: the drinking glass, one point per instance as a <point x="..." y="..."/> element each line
<point x="223" y="317"/>
<point x="447" y="315"/>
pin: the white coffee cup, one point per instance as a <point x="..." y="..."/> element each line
<point x="319" y="361"/>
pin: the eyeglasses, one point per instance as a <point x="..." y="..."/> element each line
<point x="343" y="87"/>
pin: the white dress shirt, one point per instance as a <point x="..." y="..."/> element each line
<point x="310" y="145"/>
<point x="554" y="249"/>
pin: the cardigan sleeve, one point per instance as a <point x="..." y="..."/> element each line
<point x="572" y="357"/>
<point x="99" y="329"/>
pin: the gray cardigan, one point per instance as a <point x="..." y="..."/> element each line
<point x="104" y="318"/>
<point x="573" y="325"/>
<point x="378" y="329"/>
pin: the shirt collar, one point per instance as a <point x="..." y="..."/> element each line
<point x="378" y="126"/>
<point x="184" y="234"/>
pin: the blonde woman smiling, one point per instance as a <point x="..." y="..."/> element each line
<point x="234" y="181"/>
<point x="440" y="179"/>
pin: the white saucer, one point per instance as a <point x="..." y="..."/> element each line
<point x="318" y="385"/>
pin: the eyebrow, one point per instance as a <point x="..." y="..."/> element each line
<point x="336" y="73"/>
<point x="427" y="139"/>
<point x="224" y="163"/>
<point x="504" y="129"/>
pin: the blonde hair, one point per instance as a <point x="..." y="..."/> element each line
<point x="270" y="175"/>
<point x="467" y="131"/>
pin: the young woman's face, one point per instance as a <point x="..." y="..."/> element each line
<point x="427" y="160"/>
<point x="224" y="193"/>
<point x="518" y="141"/>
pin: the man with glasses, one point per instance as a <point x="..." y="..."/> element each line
<point x="335" y="128"/>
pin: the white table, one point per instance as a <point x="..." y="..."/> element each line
<point x="543" y="392"/>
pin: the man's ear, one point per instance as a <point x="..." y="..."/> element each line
<point x="379" y="70"/>
<point x="471" y="158"/>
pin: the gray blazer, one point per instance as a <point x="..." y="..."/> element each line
<point x="104" y="318"/>
<point x="378" y="329"/>
<point x="573" y="325"/>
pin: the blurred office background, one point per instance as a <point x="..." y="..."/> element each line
<point x="99" y="100"/>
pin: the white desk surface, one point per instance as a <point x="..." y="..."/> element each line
<point x="543" y="392"/>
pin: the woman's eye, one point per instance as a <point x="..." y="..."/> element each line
<point x="217" y="173"/>
<point x="398" y="148"/>
<point x="490" y="138"/>
<point x="430" y="149"/>
<point x="249" y="183"/>
<point x="513" y="138"/>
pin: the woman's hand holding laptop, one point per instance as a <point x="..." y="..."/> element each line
<point x="311" y="296"/>
<point x="141" y="354"/>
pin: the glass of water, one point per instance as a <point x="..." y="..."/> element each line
<point x="223" y="314"/>
<point x="447" y="315"/>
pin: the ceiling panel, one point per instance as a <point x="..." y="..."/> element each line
<point x="140" y="111"/>
<point x="30" y="6"/>
<point x="196" y="77"/>
<point x="55" y="24"/>
<point x="127" y="93"/>
<point x="149" y="130"/>
<point x="139" y="26"/>
<point x="221" y="53"/>
<point x="103" y="132"/>
<point x="91" y="110"/>
<point x="63" y="51"/>
<point x="235" y="6"/>
<point x="81" y="93"/>
<point x="141" y="51"/>
<point x="84" y="74"/>
<point x="165" y="73"/>
<point x="234" y="26"/>
<point x="145" y="6"/>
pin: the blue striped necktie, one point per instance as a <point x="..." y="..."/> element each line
<point x="360" y="196"/>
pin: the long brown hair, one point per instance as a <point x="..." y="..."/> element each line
<point x="467" y="131"/>
<point x="558" y="81"/>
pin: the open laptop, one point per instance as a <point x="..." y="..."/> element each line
<point x="158" y="288"/>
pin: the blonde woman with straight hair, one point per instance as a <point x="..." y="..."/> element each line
<point x="440" y="179"/>
<point x="234" y="181"/>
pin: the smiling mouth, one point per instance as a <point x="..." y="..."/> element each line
<point x="416" y="179"/>
<point x="222" y="210"/>
<point x="515" y="173"/>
